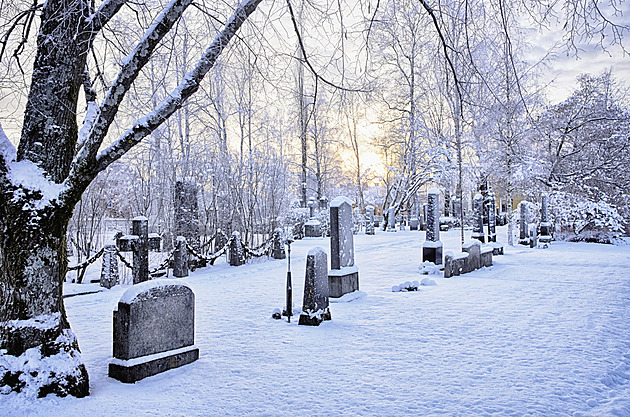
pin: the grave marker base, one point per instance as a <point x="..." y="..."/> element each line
<point x="130" y="371"/>
<point x="339" y="285"/>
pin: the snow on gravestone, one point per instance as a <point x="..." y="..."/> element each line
<point x="343" y="277"/>
<point x="315" y="303"/>
<point x="432" y="246"/>
<point x="154" y="330"/>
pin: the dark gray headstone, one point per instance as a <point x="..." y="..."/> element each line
<point x="140" y="246"/>
<point x="545" y="225"/>
<point x="432" y="246"/>
<point x="315" y="303"/>
<point x="236" y="257"/>
<point x="154" y="330"/>
<point x="109" y="267"/>
<point x="187" y="212"/>
<point x="180" y="258"/>
<point x="433" y="216"/>
<point x="477" y="232"/>
<point x="343" y="275"/>
<point x="313" y="228"/>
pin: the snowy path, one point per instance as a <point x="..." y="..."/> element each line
<point x="541" y="333"/>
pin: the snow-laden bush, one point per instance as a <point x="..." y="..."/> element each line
<point x="295" y="219"/>
<point x="579" y="219"/>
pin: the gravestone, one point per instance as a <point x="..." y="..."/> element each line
<point x="154" y="330"/>
<point x="492" y="217"/>
<point x="315" y="303"/>
<point x="312" y="228"/>
<point x="545" y="225"/>
<point x="343" y="277"/>
<point x="523" y="235"/>
<point x="485" y="257"/>
<point x="432" y="246"/>
<point x="391" y="220"/>
<point x="109" y="267"/>
<point x="477" y="232"/>
<point x="187" y="212"/>
<point x="323" y="203"/>
<point x="277" y="248"/>
<point x="180" y="258"/>
<point x="473" y="249"/>
<point x="414" y="223"/>
<point x="369" y="225"/>
<point x="236" y="257"/>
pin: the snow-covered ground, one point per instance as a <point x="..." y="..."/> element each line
<point x="541" y="333"/>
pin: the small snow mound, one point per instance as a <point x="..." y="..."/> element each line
<point x="427" y="282"/>
<point x="592" y="402"/>
<point x="429" y="268"/>
<point x="351" y="296"/>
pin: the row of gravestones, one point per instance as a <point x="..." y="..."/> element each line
<point x="343" y="277"/>
<point x="473" y="255"/>
<point x="528" y="235"/>
<point x="154" y="321"/>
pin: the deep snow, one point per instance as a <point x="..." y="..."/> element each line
<point x="541" y="333"/>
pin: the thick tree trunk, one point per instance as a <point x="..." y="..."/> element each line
<point x="40" y="354"/>
<point x="33" y="265"/>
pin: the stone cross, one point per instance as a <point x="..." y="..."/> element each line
<point x="187" y="212"/>
<point x="432" y="247"/>
<point x="109" y="267"/>
<point x="344" y="275"/>
<point x="369" y="226"/>
<point x="477" y="232"/>
<point x="140" y="247"/>
<point x="180" y="258"/>
<point x="492" y="217"/>
<point x="391" y="220"/>
<point x="315" y="303"/>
